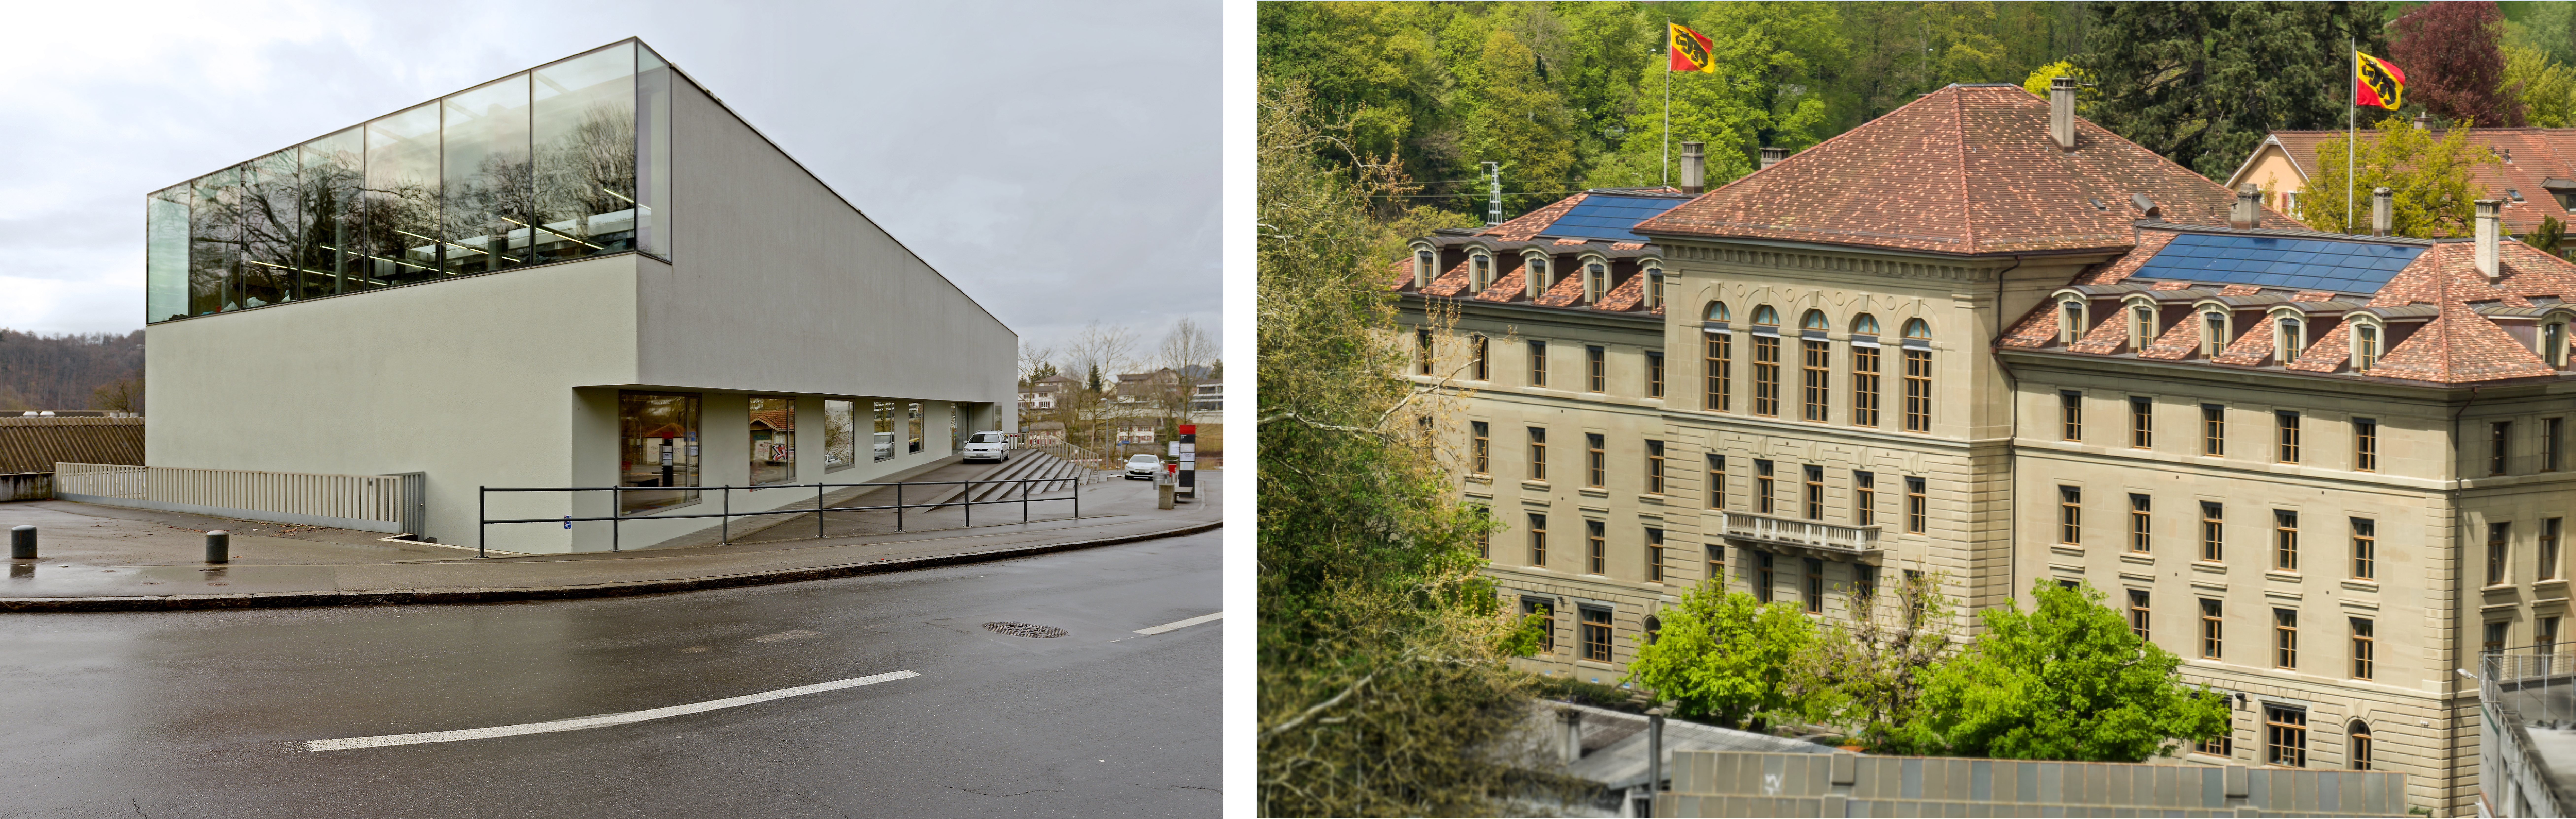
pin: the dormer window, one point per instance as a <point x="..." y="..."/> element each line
<point x="2070" y="320"/>
<point x="1423" y="261"/>
<point x="2290" y="336"/>
<point x="2142" y="326"/>
<point x="2553" y="341"/>
<point x="2213" y="333"/>
<point x="1480" y="267"/>
<point x="2365" y="346"/>
<point x="1594" y="279"/>
<point x="1538" y="270"/>
<point x="1654" y="287"/>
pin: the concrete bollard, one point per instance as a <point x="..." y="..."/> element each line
<point x="219" y="546"/>
<point x="22" y="542"/>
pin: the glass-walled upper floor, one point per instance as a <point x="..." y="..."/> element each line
<point x="560" y="162"/>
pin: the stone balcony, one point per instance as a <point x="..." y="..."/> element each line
<point x="1806" y="537"/>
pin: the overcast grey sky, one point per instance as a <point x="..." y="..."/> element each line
<point x="1058" y="160"/>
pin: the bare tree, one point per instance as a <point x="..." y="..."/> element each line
<point x="1095" y="356"/>
<point x="1189" y="353"/>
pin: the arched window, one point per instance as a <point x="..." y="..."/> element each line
<point x="1596" y="278"/>
<point x="1815" y="366"/>
<point x="2142" y="325"/>
<point x="1537" y="267"/>
<point x="2070" y="320"/>
<point x="1916" y="328"/>
<point x="1423" y="261"/>
<point x="2359" y="757"/>
<point x="1716" y="311"/>
<point x="1479" y="277"/>
<point x="1766" y="361"/>
<point x="1654" y="287"/>
<point x="2365" y="346"/>
<point x="1480" y="267"/>
<point x="2291" y="336"/>
<point x="2553" y="341"/>
<point x="1864" y="325"/>
<point x="1918" y="376"/>
<point x="1814" y="320"/>
<point x="2213" y="332"/>
<point x="1766" y="316"/>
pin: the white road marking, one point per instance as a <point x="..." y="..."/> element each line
<point x="1181" y="624"/>
<point x="599" y="721"/>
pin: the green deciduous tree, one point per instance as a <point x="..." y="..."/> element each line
<point x="1768" y="90"/>
<point x="1519" y="121"/>
<point x="2550" y="237"/>
<point x="2454" y="69"/>
<point x="2087" y="94"/>
<point x="2066" y="680"/>
<point x="1728" y="658"/>
<point x="1383" y="688"/>
<point x="2546" y="86"/>
<point x="1868" y="672"/>
<point x="2429" y="180"/>
<point x="2203" y="83"/>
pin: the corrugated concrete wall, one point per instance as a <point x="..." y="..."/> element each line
<point x="35" y="444"/>
<point x="1743" y="783"/>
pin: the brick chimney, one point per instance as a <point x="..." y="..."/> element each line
<point x="2383" y="218"/>
<point x="2061" y="112"/>
<point x="1772" y="156"/>
<point x="1694" y="165"/>
<point x="2488" y="234"/>
<point x="2248" y="212"/>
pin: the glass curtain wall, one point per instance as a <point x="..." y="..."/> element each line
<point x="566" y="161"/>
<point x="840" y="434"/>
<point x="660" y="433"/>
<point x="773" y="439"/>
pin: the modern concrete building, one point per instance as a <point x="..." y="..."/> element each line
<point x="1851" y="363"/>
<point x="592" y="273"/>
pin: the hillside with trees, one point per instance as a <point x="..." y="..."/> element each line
<point x="72" y="371"/>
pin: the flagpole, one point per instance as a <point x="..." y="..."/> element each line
<point x="1668" y="101"/>
<point x="2351" y="132"/>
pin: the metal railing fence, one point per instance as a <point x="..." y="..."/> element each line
<point x="617" y="515"/>
<point x="388" y="499"/>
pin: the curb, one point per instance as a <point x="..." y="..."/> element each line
<point x="434" y="596"/>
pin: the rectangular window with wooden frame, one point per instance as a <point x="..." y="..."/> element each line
<point x="2213" y="630"/>
<point x="1815" y="493"/>
<point x="1596" y="369"/>
<point x="1654" y="373"/>
<point x="1538" y="363"/>
<point x="2285" y="425"/>
<point x="2070" y="515"/>
<point x="1480" y="448"/>
<point x="1422" y="350"/>
<point x="1538" y="540"/>
<point x="1815" y="586"/>
<point x="1716" y="481"/>
<point x="1816" y="371"/>
<point x="1763" y="576"/>
<point x="1864" y="385"/>
<point x="2285" y="639"/>
<point x="2365" y="445"/>
<point x="1654" y="467"/>
<point x="2142" y="422"/>
<point x="2213" y="532"/>
<point x="2495" y="638"/>
<point x="2213" y="430"/>
<point x="2363" y="646"/>
<point x="2070" y="415"/>
<point x="1596" y="634"/>
<point x="1596" y="547"/>
<point x="1766" y="375"/>
<point x="2224" y="745"/>
<point x="1916" y="511"/>
<point x="2138" y="615"/>
<point x="1716" y="564"/>
<point x="1532" y="607"/>
<point x="2499" y="542"/>
<point x="2285" y="540"/>
<point x="2548" y="568"/>
<point x="1655" y="555"/>
<point x="1718" y="371"/>
<point x="1918" y="390"/>
<point x="1864" y="499"/>
<point x="2141" y="526"/>
<point x="1596" y="461"/>
<point x="2499" y="433"/>
<point x="1538" y="454"/>
<point x="2285" y="736"/>
<point x="1762" y="487"/>
<point x="2550" y="443"/>
<point x="1479" y="347"/>
<point x="2365" y="548"/>
<point x="2545" y="635"/>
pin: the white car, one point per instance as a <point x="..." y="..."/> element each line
<point x="1143" y="466"/>
<point x="987" y="446"/>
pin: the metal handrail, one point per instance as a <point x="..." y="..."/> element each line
<point x="617" y="518"/>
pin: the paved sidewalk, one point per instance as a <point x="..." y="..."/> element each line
<point x="108" y="558"/>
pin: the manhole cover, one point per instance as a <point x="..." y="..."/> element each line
<point x="1024" y="630"/>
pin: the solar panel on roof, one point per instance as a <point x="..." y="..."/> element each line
<point x="2276" y="261"/>
<point x="1601" y="216"/>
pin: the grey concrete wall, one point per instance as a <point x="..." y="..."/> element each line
<point x="1744" y="783"/>
<point x="777" y="285"/>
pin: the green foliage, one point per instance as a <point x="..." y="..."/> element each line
<point x="2548" y="28"/>
<point x="2547" y="86"/>
<point x="1867" y="671"/>
<point x="1381" y="688"/>
<point x="1726" y="657"/>
<point x="2430" y="179"/>
<point x="2204" y="83"/>
<point x="2086" y="93"/>
<point x="1765" y="93"/>
<point x="2067" y="680"/>
<point x="2550" y="237"/>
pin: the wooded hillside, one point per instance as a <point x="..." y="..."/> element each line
<point x="42" y="372"/>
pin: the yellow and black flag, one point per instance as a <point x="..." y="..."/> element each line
<point x="1689" y="50"/>
<point x="2376" y="82"/>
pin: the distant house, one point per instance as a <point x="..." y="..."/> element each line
<point x="1044" y="394"/>
<point x="2537" y="179"/>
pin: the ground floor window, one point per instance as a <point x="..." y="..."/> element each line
<point x="915" y="414"/>
<point x="2359" y="759"/>
<point x="773" y="439"/>
<point x="884" y="430"/>
<point x="1531" y="606"/>
<point x="658" y="449"/>
<point x="1596" y="634"/>
<point x="2285" y="736"/>
<point x="840" y="434"/>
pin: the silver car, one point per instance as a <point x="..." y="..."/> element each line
<point x="1143" y="466"/>
<point x="987" y="446"/>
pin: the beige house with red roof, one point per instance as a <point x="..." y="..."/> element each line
<point x="2537" y="178"/>
<point x="1983" y="338"/>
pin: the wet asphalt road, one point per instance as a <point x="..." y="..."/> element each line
<point x="199" y="714"/>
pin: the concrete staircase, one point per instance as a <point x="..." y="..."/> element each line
<point x="1052" y="473"/>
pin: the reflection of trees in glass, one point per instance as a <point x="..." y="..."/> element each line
<point x="840" y="434"/>
<point x="497" y="199"/>
<point x="269" y="223"/>
<point x="327" y="252"/>
<point x="398" y="218"/>
<point x="213" y="243"/>
<point x="588" y="171"/>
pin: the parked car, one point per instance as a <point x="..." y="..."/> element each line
<point x="1144" y="466"/>
<point x="987" y="446"/>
